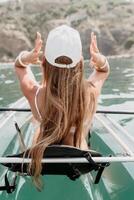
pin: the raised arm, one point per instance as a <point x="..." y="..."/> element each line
<point x="27" y="80"/>
<point x="99" y="64"/>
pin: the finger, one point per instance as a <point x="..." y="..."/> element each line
<point x="38" y="46"/>
<point x="38" y="42"/>
<point x="95" y="47"/>
<point x="92" y="49"/>
<point x="91" y="37"/>
<point x="95" y="43"/>
<point x="95" y="39"/>
<point x="38" y="36"/>
<point x="93" y="54"/>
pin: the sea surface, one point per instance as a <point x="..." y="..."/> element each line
<point x="117" y="95"/>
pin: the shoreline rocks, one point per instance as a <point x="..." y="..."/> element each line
<point x="111" y="21"/>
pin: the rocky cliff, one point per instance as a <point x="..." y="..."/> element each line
<point x="113" y="22"/>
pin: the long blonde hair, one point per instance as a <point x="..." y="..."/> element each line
<point x="64" y="107"/>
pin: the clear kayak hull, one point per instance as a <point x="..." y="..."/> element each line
<point x="117" y="181"/>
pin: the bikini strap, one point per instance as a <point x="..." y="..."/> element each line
<point x="36" y="106"/>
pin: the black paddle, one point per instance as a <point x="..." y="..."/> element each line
<point x="98" y="111"/>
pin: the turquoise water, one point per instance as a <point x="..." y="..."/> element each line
<point x="117" y="183"/>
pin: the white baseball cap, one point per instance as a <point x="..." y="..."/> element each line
<point x="63" y="41"/>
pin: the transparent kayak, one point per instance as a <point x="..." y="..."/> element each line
<point x="107" y="137"/>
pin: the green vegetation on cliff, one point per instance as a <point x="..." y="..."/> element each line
<point x="111" y="20"/>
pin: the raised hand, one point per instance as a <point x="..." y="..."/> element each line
<point x="97" y="59"/>
<point x="36" y="52"/>
<point x="33" y="56"/>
